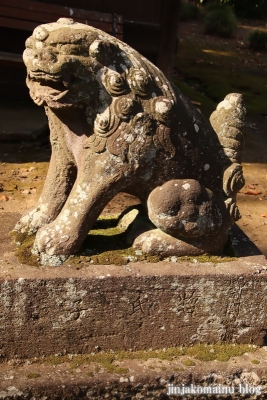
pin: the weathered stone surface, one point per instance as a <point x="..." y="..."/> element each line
<point x="136" y="306"/>
<point x="64" y="311"/>
<point x="116" y="125"/>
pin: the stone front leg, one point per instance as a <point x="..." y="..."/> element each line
<point x="59" y="181"/>
<point x="95" y="186"/>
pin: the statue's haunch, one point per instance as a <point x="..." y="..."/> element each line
<point x="117" y="124"/>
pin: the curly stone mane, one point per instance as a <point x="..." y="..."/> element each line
<point x="136" y="98"/>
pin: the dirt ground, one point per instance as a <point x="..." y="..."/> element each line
<point x="23" y="164"/>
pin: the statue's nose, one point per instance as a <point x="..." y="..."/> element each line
<point x="46" y="56"/>
<point x="43" y="59"/>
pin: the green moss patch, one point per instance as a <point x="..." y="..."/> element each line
<point x="206" y="258"/>
<point x="105" y="360"/>
<point x="24" y="250"/>
<point x="188" y="362"/>
<point x="33" y="375"/>
<point x="219" y="352"/>
<point x="110" y="361"/>
<point x="107" y="244"/>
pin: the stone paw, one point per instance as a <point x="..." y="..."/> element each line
<point x="53" y="243"/>
<point x="32" y="221"/>
<point x="156" y="242"/>
<point x="46" y="259"/>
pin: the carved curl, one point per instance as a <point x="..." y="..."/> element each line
<point x="233" y="180"/>
<point x="126" y="106"/>
<point x="162" y="109"/>
<point x="139" y="82"/>
<point x="114" y="83"/>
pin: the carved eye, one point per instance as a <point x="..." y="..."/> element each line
<point x="139" y="82"/>
<point x="114" y="83"/>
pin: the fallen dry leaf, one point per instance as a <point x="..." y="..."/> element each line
<point x="196" y="103"/>
<point x="253" y="192"/>
<point x="4" y="198"/>
<point x="264" y="215"/>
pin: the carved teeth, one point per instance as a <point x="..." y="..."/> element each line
<point x="40" y="75"/>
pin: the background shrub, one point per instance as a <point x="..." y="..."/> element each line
<point x="257" y="40"/>
<point x="189" y="11"/>
<point x="219" y="19"/>
<point x="256" y="9"/>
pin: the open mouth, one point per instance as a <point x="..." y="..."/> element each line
<point x="48" y="88"/>
<point x="54" y="81"/>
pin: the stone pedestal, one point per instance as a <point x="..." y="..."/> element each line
<point x="51" y="310"/>
<point x="64" y="310"/>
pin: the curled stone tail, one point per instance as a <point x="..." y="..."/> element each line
<point x="229" y="122"/>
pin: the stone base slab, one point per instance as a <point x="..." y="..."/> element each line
<point x="51" y="310"/>
<point x="133" y="307"/>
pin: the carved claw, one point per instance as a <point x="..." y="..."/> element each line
<point x="32" y="221"/>
<point x="49" y="241"/>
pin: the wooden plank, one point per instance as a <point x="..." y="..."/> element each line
<point x="30" y="25"/>
<point x="60" y="10"/>
<point x="29" y="15"/>
<point x="4" y="56"/>
<point x="16" y="24"/>
<point x="142" y="24"/>
<point x="24" y="14"/>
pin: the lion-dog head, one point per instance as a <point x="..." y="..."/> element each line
<point x="74" y="65"/>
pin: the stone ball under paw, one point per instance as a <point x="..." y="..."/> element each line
<point x="185" y="208"/>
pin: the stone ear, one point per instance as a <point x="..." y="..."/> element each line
<point x="103" y="50"/>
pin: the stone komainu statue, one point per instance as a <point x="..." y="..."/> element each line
<point x="117" y="124"/>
